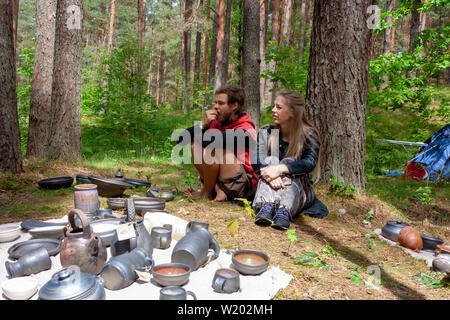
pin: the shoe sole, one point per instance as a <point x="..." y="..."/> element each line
<point x="276" y="226"/>
<point x="263" y="222"/>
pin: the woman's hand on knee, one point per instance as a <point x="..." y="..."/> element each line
<point x="277" y="183"/>
<point x="273" y="172"/>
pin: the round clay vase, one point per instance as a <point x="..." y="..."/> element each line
<point x="410" y="238"/>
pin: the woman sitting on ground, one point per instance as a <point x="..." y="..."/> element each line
<point x="285" y="187"/>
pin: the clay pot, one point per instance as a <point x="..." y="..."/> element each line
<point x="410" y="238"/>
<point x="81" y="246"/>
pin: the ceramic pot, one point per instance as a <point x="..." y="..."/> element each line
<point x="81" y="246"/>
<point x="161" y="237"/>
<point x="119" y="272"/>
<point x="430" y="243"/>
<point x="86" y="198"/>
<point x="226" y="280"/>
<point x="392" y="229"/>
<point x="410" y="238"/>
<point x="32" y="262"/>
<point x="193" y="248"/>
<point x="72" y="284"/>
<point x="175" y="293"/>
<point x="141" y="240"/>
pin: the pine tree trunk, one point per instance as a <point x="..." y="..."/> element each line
<point x="158" y="75"/>
<point x="302" y="26"/>
<point x="415" y="25"/>
<point x="187" y="57"/>
<point x="10" y="149"/>
<point x="250" y="73"/>
<point x="275" y="33"/>
<point x="112" y="14"/>
<point x="198" y="49"/>
<point x="220" y="76"/>
<point x="41" y="85"/>
<point x="212" y="61"/>
<point x="15" y="13"/>
<point x="308" y="13"/>
<point x="65" y="126"/>
<point x="206" y="47"/>
<point x="226" y="38"/>
<point x="337" y="87"/>
<point x="293" y="23"/>
<point x="262" y="50"/>
<point x="141" y="30"/>
<point x="287" y="12"/>
<point x="387" y="44"/>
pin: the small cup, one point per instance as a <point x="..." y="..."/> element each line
<point x="161" y="237"/>
<point x="175" y="293"/>
<point x="226" y="280"/>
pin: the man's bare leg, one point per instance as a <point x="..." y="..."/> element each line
<point x="228" y="169"/>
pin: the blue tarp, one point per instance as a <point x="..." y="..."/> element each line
<point x="435" y="156"/>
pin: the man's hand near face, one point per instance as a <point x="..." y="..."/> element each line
<point x="210" y="115"/>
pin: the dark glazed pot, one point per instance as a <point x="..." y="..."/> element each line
<point x="71" y="284"/>
<point x="430" y="243"/>
<point x="141" y="240"/>
<point x="109" y="187"/>
<point x="81" y="246"/>
<point x="119" y="272"/>
<point x="161" y="194"/>
<point x="392" y="228"/>
<point x="193" y="248"/>
<point x="32" y="262"/>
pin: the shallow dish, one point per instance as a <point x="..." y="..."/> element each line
<point x="53" y="247"/>
<point x="53" y="232"/>
<point x="171" y="274"/>
<point x="56" y="182"/>
<point x="21" y="288"/>
<point x="250" y="262"/>
<point x="109" y="187"/>
<point x="9" y="232"/>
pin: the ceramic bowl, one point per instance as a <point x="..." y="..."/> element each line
<point x="160" y="194"/>
<point x="53" y="232"/>
<point x="56" y="182"/>
<point x="171" y="274"/>
<point x="21" y="288"/>
<point x="250" y="262"/>
<point x="9" y="232"/>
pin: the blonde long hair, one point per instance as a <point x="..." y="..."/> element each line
<point x="300" y="129"/>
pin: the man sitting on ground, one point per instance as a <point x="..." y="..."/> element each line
<point x="224" y="164"/>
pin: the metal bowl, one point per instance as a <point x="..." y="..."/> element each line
<point x="250" y="262"/>
<point x="171" y="274"/>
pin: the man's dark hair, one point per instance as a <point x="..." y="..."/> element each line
<point x="234" y="94"/>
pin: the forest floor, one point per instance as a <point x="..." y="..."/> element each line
<point x="342" y="246"/>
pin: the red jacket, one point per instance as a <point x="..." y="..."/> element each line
<point x="244" y="122"/>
